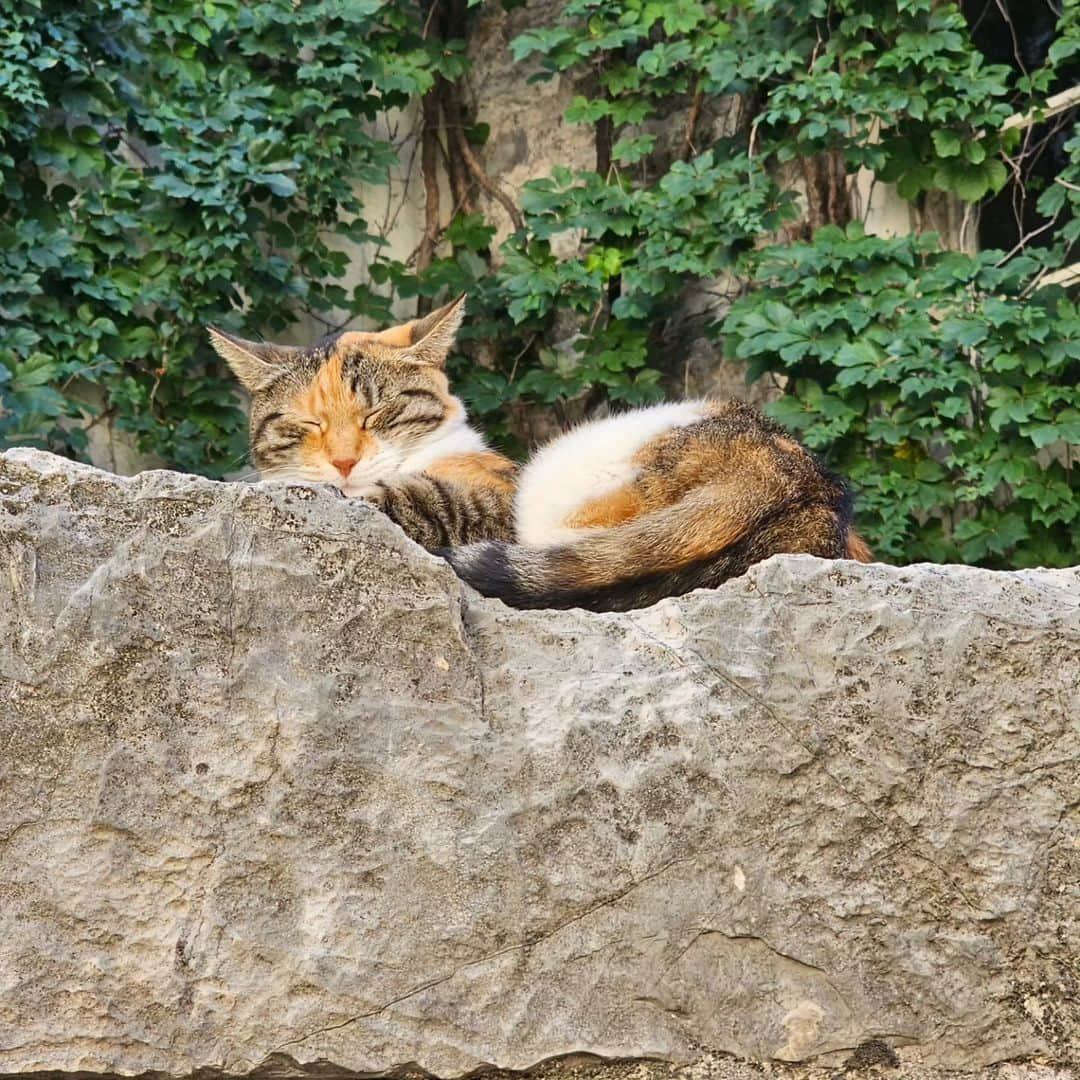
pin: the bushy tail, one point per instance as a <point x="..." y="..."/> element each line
<point x="713" y="534"/>
<point x="700" y="541"/>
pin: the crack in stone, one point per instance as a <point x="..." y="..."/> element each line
<point x="606" y="902"/>
<point x="467" y="636"/>
<point x="19" y="826"/>
<point x="764" y="706"/>
<point x="607" y="945"/>
<point x="776" y="952"/>
<point x="429" y="984"/>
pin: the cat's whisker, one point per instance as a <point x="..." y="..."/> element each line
<point x="286" y="473"/>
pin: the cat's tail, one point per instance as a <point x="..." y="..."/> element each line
<point x="699" y="542"/>
<point x="857" y="548"/>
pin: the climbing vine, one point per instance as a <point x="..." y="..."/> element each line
<point x="946" y="390"/>
<point x="947" y="386"/>
<point x="171" y="163"/>
<point x="168" y="163"/>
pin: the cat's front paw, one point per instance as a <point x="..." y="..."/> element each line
<point x="371" y="493"/>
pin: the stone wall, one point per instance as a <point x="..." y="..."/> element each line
<point x="280" y="795"/>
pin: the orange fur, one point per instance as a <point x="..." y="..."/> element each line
<point x="350" y="341"/>
<point x="704" y="524"/>
<point x="706" y="494"/>
<point x="858" y="549"/>
<point x="328" y="400"/>
<point x="327" y="392"/>
<point x="665" y="477"/>
<point x="397" y="336"/>
<point x="710" y="533"/>
<point x="607" y="510"/>
<point x="486" y="469"/>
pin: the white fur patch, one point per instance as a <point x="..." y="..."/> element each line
<point x="454" y="438"/>
<point x="589" y="461"/>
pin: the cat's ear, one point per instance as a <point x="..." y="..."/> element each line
<point x="423" y="341"/>
<point x="255" y="363"/>
<point x="432" y="337"/>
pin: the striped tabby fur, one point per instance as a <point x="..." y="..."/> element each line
<point x="372" y="414"/>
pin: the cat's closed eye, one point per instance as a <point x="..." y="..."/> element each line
<point x="279" y="431"/>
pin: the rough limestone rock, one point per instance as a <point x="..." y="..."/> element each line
<point x="277" y="788"/>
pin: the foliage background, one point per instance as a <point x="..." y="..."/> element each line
<point x="171" y="163"/>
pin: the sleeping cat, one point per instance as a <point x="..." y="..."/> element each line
<point x="372" y="414"/>
<point x="610" y="516"/>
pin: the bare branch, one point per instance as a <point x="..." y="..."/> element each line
<point x="691" y="123"/>
<point x="429" y="165"/>
<point x="456" y="132"/>
<point x="1066" y="276"/>
<point x="1059" y="103"/>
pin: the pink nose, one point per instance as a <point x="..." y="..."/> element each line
<point x="344" y="465"/>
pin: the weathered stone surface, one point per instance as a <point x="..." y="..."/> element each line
<point x="277" y="788"/>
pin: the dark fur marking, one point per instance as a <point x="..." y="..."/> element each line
<point x="416" y="392"/>
<point x="449" y="508"/>
<point x="269" y="418"/>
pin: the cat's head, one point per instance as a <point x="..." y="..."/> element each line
<point x="353" y="408"/>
